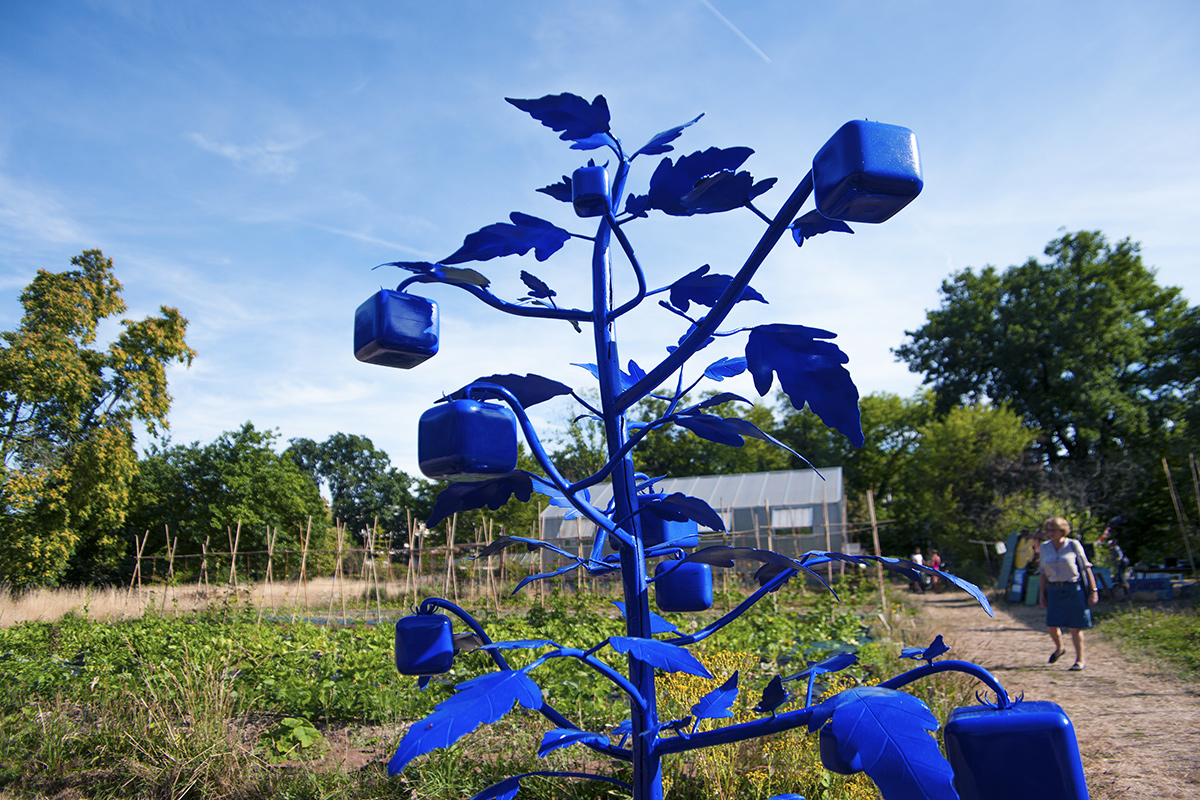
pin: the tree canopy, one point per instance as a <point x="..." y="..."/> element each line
<point x="365" y="489"/>
<point x="68" y="411"/>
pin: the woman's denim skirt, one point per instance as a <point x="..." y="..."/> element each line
<point x="1066" y="606"/>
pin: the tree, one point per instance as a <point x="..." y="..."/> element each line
<point x="67" y="416"/>
<point x="364" y="488"/>
<point x="1075" y="345"/>
<point x="1088" y="348"/>
<point x="203" y="491"/>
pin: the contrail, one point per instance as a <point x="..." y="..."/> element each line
<point x="734" y="28"/>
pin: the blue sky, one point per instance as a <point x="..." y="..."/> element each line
<point x="250" y="163"/>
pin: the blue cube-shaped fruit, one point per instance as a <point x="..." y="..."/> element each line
<point x="867" y="172"/>
<point x="589" y="191"/>
<point x="424" y="645"/>
<point x="1027" y="751"/>
<point x="466" y="440"/>
<point x="395" y="329"/>
<point x="686" y="587"/>
<point x="656" y="530"/>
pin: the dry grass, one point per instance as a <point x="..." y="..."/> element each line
<point x="319" y="597"/>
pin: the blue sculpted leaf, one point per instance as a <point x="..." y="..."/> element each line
<point x="699" y="287"/>
<point x="724" y="368"/>
<point x="569" y="114"/>
<point x="814" y="223"/>
<point x="504" y="790"/>
<point x="729" y="431"/>
<point x="519" y="644"/>
<point x="626" y="380"/>
<point x="419" y="267"/>
<point x="724" y="191"/>
<point x="565" y="737"/>
<point x="678" y="507"/>
<point x="537" y="287"/>
<point x="502" y="239"/>
<point x="560" y="191"/>
<point x="560" y="500"/>
<point x="563" y="570"/>
<point x="721" y="398"/>
<point x="936" y="648"/>
<point x="529" y="390"/>
<point x="885" y="733"/>
<point x="774" y="695"/>
<point x="661" y="143"/>
<point x="913" y="571"/>
<point x="493" y="494"/>
<point x="624" y="728"/>
<point x="787" y="797"/>
<point x="835" y="663"/>
<point x="717" y="704"/>
<point x="672" y="181"/>
<point x="503" y="542"/>
<point x="657" y="623"/>
<point x="660" y="655"/>
<point x="637" y="204"/>
<point x="479" y="701"/>
<point x="595" y="141"/>
<point x="809" y="371"/>
<point x="672" y="348"/>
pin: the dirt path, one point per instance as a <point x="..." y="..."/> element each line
<point x="1138" y="729"/>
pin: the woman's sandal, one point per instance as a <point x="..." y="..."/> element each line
<point x="1077" y="667"/>
<point x="1056" y="655"/>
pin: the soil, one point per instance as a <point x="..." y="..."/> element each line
<point x="1138" y="727"/>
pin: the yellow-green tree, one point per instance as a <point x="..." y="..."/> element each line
<point x="67" y="417"/>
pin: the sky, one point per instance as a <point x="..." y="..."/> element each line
<point x="250" y="164"/>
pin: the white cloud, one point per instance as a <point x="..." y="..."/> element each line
<point x="267" y="158"/>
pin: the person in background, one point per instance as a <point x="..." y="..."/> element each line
<point x="919" y="584"/>
<point x="1067" y="589"/>
<point x="935" y="562"/>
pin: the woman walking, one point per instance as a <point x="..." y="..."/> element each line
<point x="1067" y="589"/>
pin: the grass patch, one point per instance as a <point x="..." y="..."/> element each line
<point x="1169" y="635"/>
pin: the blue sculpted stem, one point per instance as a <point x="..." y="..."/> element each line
<point x="647" y="767"/>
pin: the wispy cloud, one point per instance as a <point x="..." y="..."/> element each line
<point x="737" y="32"/>
<point x="267" y="158"/>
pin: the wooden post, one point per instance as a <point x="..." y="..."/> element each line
<point x="304" y="563"/>
<point x="204" y="562"/>
<point x="828" y="542"/>
<point x="883" y="602"/>
<point x="375" y="572"/>
<point x="1179" y="515"/>
<point x="233" y="548"/>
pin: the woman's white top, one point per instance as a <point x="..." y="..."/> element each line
<point x="1065" y="564"/>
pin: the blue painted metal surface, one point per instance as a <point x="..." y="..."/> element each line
<point x="394" y="329"/>
<point x="866" y="172"/>
<point x="467" y="440"/>
<point x="1027" y="751"/>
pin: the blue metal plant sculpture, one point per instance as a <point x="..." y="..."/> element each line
<point x="865" y="173"/>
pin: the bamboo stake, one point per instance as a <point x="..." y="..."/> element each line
<point x="883" y="614"/>
<point x="137" y="564"/>
<point x="268" y="576"/>
<point x="374" y="572"/>
<point x="1195" y="486"/>
<point x="233" y="547"/>
<point x="304" y="564"/>
<point x="1179" y="515"/>
<point x="341" y="567"/>
<point x="408" y="575"/>
<point x="828" y="542"/>
<point x="453" y="571"/>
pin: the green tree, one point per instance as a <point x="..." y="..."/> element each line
<point x="1076" y="345"/>
<point x="1089" y="349"/>
<point x="67" y="416"/>
<point x="201" y="492"/>
<point x="364" y="488"/>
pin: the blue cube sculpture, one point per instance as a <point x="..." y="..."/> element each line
<point x="466" y="440"/>
<point x="395" y="329"/>
<point x="424" y="645"/>
<point x="656" y="530"/>
<point x="866" y="172"/>
<point x="589" y="191"/>
<point x="686" y="587"/>
<point x="1027" y="751"/>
